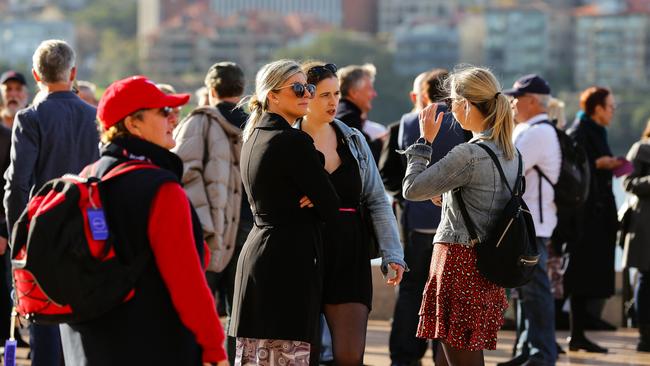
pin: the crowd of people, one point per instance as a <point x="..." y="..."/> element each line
<point x="271" y="207"/>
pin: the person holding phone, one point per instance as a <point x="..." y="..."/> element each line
<point x="347" y="294"/>
<point x="460" y="307"/>
<point x="278" y="284"/>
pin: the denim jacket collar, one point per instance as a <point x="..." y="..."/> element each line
<point x="483" y="135"/>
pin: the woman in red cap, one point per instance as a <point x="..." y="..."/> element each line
<point x="171" y="319"/>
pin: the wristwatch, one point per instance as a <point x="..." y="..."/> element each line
<point x="422" y="140"/>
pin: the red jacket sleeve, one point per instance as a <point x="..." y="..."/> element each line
<point x="172" y="242"/>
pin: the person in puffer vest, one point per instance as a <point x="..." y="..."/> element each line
<point x="209" y="143"/>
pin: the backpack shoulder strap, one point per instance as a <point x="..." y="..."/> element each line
<point x="541" y="174"/>
<point x="126" y="167"/>
<point x="495" y="159"/>
<point x="468" y="221"/>
<point x="557" y="132"/>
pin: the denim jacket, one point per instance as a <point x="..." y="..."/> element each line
<point x="466" y="167"/>
<point x="374" y="197"/>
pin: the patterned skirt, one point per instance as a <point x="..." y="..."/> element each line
<point x="459" y="306"/>
<point x="271" y="352"/>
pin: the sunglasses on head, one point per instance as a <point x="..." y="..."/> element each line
<point x="299" y="89"/>
<point x="317" y="71"/>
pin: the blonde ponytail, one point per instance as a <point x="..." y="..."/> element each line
<point x="481" y="88"/>
<point x="269" y="77"/>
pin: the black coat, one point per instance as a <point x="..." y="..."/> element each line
<point x="636" y="232"/>
<point x="278" y="283"/>
<point x="590" y="272"/>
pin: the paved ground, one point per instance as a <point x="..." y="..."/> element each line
<point x="621" y="344"/>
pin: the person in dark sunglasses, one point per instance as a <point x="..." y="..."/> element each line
<point x="278" y="287"/>
<point x="347" y="294"/>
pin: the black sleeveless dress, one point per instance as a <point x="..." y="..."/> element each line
<point x="347" y="276"/>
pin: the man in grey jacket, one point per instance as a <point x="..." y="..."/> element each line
<point x="57" y="135"/>
<point x="209" y="143"/>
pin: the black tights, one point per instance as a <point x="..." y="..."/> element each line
<point x="458" y="357"/>
<point x="348" y="324"/>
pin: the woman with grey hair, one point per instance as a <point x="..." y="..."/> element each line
<point x="278" y="284"/>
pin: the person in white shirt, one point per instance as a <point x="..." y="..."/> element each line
<point x="536" y="139"/>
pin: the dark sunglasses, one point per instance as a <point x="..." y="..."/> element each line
<point x="318" y="71"/>
<point x="299" y="89"/>
<point x="166" y="111"/>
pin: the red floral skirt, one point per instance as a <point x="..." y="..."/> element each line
<point x="459" y="306"/>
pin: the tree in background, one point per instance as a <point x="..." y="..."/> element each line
<point x="106" y="40"/>
<point x="346" y="48"/>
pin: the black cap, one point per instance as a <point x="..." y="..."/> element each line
<point x="12" y="75"/>
<point x="531" y="83"/>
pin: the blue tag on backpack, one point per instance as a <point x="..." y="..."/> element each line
<point x="97" y="223"/>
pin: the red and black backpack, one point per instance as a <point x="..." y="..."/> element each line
<point x="63" y="260"/>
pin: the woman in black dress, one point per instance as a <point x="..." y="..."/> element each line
<point x="278" y="284"/>
<point x="347" y="294"/>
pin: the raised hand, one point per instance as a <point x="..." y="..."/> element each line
<point x="430" y="122"/>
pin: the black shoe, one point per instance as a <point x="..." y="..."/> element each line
<point x="644" y="338"/>
<point x="517" y="361"/>
<point x="643" y="347"/>
<point x="412" y="363"/>
<point x="534" y="362"/>
<point x="576" y="344"/>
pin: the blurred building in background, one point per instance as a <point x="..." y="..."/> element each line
<point x="19" y="39"/>
<point x="612" y="48"/>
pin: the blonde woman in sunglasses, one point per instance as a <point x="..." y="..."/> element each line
<point x="278" y="285"/>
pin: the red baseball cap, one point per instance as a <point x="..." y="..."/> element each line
<point x="126" y="96"/>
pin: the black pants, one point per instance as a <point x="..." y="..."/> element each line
<point x="405" y="347"/>
<point x="5" y="296"/>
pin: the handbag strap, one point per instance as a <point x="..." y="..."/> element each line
<point x="461" y="203"/>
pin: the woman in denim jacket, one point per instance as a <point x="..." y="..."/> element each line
<point x="347" y="285"/>
<point x="460" y="307"/>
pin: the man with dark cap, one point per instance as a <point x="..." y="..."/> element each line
<point x="536" y="139"/>
<point x="209" y="143"/>
<point x="13" y="93"/>
<point x="13" y="90"/>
